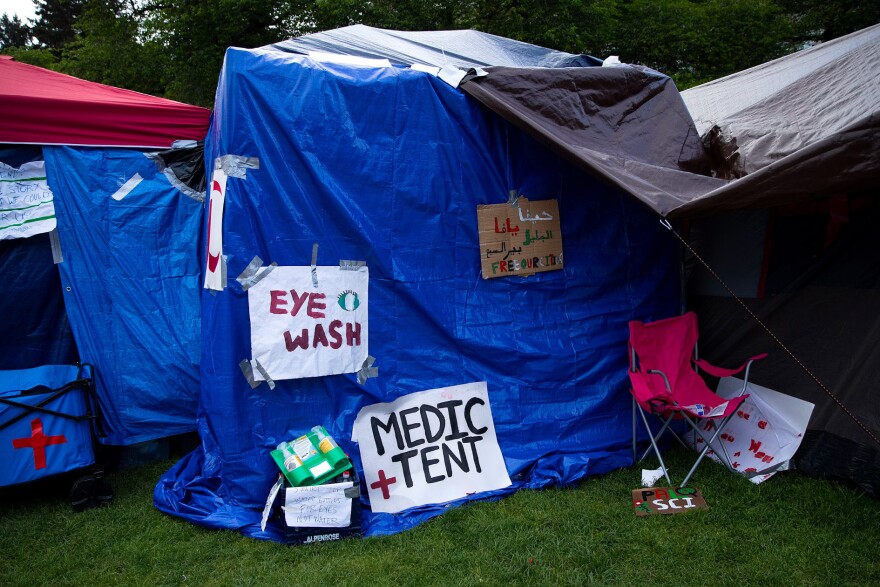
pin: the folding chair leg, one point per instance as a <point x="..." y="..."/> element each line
<point x="634" y="429"/>
<point x="660" y="433"/>
<point x="654" y="444"/>
<point x="709" y="442"/>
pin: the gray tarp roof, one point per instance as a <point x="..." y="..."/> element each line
<point x="461" y="49"/>
<point x="804" y="124"/>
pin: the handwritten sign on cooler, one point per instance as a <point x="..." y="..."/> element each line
<point x="318" y="506"/>
<point x="519" y="240"/>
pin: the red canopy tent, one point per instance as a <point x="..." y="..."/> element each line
<point x="39" y="106"/>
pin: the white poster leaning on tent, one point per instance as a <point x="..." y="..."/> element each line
<point x="26" y="202"/>
<point x="306" y="324"/>
<point x="428" y="447"/>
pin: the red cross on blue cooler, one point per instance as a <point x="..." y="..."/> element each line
<point x="35" y="443"/>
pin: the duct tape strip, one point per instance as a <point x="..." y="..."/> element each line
<point x="315" y="264"/>
<point x="248" y="373"/>
<point x="236" y="165"/>
<point x="182" y="187"/>
<point x="223" y="276"/>
<point x="513" y="199"/>
<point x="174" y="180"/>
<point x="247" y="369"/>
<point x="265" y="375"/>
<point x="451" y="75"/>
<point x="367" y="370"/>
<point x="349" y="265"/>
<point x="55" y="243"/>
<point x="126" y="188"/>
<point x="252" y="274"/>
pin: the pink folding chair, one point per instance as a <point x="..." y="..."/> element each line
<point x="665" y="384"/>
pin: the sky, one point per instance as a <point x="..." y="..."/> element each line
<point x="23" y="8"/>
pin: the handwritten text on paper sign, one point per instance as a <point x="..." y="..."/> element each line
<point x="299" y="330"/>
<point x="430" y="447"/>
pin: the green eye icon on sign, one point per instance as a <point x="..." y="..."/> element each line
<point x="348" y="301"/>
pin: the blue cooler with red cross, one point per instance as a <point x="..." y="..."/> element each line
<point x="46" y="419"/>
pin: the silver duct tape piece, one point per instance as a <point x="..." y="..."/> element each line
<point x="182" y="187"/>
<point x="265" y="375"/>
<point x="451" y="75"/>
<point x="223" y="276"/>
<point x="252" y="275"/>
<point x="352" y="492"/>
<point x="126" y="188"/>
<point x="249" y="271"/>
<point x="55" y="243"/>
<point x="367" y="370"/>
<point x="174" y="180"/>
<point x="236" y="165"/>
<point x="513" y="199"/>
<point x="247" y="369"/>
<point x="248" y="373"/>
<point x="315" y="265"/>
<point x="349" y="265"/>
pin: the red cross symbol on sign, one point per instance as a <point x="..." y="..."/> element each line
<point x="38" y="442"/>
<point x="383" y="483"/>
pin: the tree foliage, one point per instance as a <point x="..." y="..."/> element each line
<point x="14" y="32"/>
<point x="55" y="24"/>
<point x="175" y="48"/>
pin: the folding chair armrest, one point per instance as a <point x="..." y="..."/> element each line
<point x="722" y="372"/>
<point x="662" y="374"/>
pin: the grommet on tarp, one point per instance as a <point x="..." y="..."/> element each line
<point x="236" y="165"/>
<point x="252" y="274"/>
<point x="247" y="368"/>
<point x="55" y="243"/>
<point x="367" y="370"/>
<point x="315" y="264"/>
<point x="349" y="265"/>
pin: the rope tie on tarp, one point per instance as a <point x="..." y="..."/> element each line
<point x="666" y="224"/>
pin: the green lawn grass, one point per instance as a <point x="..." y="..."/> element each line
<point x="790" y="530"/>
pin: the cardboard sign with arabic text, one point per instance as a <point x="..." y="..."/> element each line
<point x="519" y="240"/>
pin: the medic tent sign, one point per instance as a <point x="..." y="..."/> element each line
<point x="300" y="330"/>
<point x="429" y="447"/>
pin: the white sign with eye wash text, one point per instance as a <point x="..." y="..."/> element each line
<point x="300" y="330"/>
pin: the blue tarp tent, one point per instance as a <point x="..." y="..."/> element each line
<point x="387" y="164"/>
<point x="125" y="297"/>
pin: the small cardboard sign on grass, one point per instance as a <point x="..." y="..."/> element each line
<point x="667" y="500"/>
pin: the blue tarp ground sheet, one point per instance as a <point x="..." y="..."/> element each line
<point x="131" y="281"/>
<point x="388" y="165"/>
